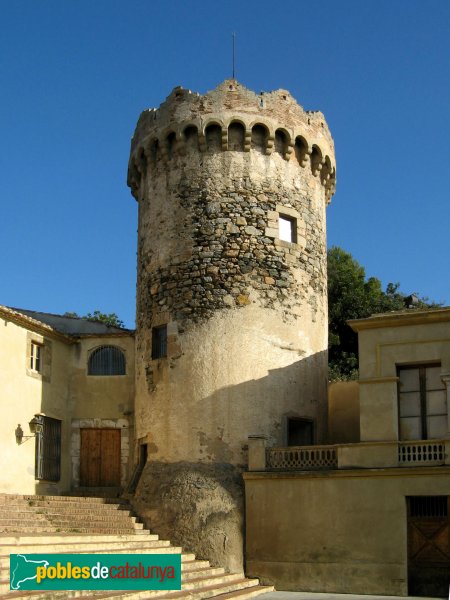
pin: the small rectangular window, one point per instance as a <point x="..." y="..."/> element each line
<point x="287" y="228"/>
<point x="36" y="357"/>
<point x="159" y="342"/>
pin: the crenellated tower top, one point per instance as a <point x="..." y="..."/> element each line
<point x="267" y="122"/>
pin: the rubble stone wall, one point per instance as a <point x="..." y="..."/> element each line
<point x="246" y="312"/>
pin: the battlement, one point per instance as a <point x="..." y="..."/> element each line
<point x="232" y="118"/>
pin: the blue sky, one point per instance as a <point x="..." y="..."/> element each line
<point x="74" y="77"/>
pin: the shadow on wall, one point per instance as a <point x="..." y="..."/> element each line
<point x="343" y="412"/>
<point x="184" y="426"/>
<point x="199" y="503"/>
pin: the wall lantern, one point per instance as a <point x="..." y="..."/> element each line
<point x="36" y="427"/>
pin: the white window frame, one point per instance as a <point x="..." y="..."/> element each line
<point x="36" y="357"/>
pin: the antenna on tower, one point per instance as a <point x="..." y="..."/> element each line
<point x="234" y="38"/>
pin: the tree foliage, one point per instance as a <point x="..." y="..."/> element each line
<point x="110" y="319"/>
<point x="353" y="296"/>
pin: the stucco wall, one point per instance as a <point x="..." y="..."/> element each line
<point x="102" y="401"/>
<point x="343" y="412"/>
<point x="387" y="342"/>
<point x="343" y="532"/>
<point x="62" y="391"/>
<point x="23" y="395"/>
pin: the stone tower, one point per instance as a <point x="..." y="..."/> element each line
<point x="231" y="336"/>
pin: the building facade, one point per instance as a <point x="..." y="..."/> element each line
<point x="73" y="381"/>
<point x="371" y="515"/>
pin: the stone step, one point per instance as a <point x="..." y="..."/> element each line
<point x="185" y="558"/>
<point x="67" y="519"/>
<point x="71" y="525"/>
<point x="109" y="503"/>
<point x="191" y="565"/>
<point x="190" y="579"/>
<point x="151" y="547"/>
<point x="201" y="573"/>
<point x="239" y="594"/>
<point x="25" y="510"/>
<point x="246" y="593"/>
<point x="58" y="538"/>
<point x="8" y="498"/>
<point x="189" y="575"/>
<point x="201" y="590"/>
<point x="10" y="529"/>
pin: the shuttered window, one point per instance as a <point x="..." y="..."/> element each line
<point x="107" y="360"/>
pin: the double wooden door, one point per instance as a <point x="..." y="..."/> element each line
<point x="100" y="457"/>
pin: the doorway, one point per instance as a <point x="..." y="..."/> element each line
<point x="300" y="432"/>
<point x="100" y="457"/>
<point x="428" y="545"/>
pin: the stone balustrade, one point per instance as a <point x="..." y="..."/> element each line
<point x="365" y="455"/>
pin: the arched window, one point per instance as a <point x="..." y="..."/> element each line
<point x="236" y="136"/>
<point x="259" y="138"/>
<point x="213" y="135"/>
<point x="106" y="360"/>
<point x="301" y="150"/>
<point x="191" y="138"/>
<point x="281" y="144"/>
<point x="170" y="144"/>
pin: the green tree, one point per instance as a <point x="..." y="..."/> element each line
<point x="110" y="319"/>
<point x="353" y="296"/>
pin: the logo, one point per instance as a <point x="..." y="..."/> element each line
<point x="95" y="571"/>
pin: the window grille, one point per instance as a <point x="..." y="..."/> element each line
<point x="159" y="342"/>
<point x="107" y="360"/>
<point x="48" y="450"/>
<point x="428" y="506"/>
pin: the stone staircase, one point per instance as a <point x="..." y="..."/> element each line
<point x="67" y="524"/>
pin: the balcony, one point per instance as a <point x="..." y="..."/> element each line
<point x="364" y="455"/>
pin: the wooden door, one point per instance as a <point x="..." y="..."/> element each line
<point x="428" y="546"/>
<point x="100" y="457"/>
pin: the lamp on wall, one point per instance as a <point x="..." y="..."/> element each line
<point x="36" y="426"/>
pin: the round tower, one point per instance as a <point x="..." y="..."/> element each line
<point x="231" y="322"/>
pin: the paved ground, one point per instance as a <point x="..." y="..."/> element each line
<point x="315" y="596"/>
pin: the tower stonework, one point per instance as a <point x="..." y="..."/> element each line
<point x="231" y="322"/>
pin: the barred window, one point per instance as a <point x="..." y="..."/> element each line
<point x="159" y="342"/>
<point x="48" y="449"/>
<point x="107" y="360"/>
<point x="428" y="507"/>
